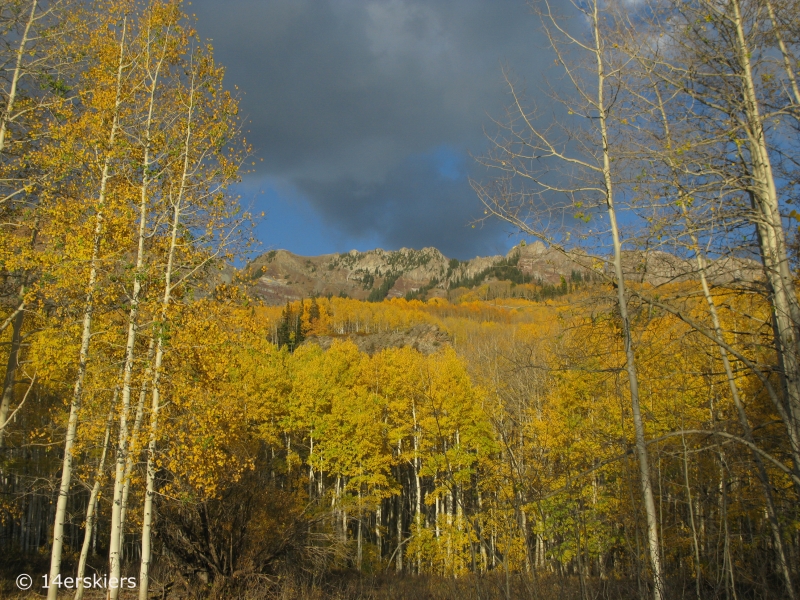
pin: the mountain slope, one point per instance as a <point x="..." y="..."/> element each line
<point x="279" y="275"/>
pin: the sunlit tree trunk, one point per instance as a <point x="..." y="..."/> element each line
<point x="86" y="332"/>
<point x="133" y="450"/>
<point x="771" y="234"/>
<point x="155" y="407"/>
<point x="622" y="306"/>
<point x="91" y="509"/>
<point x="702" y="270"/>
<point x="123" y="460"/>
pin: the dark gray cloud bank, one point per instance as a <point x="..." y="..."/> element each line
<point x="366" y="113"/>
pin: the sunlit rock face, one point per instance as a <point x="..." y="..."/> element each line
<point x="279" y="276"/>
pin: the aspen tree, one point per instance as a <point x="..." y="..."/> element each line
<point x="88" y="312"/>
<point x="157" y="41"/>
<point x="718" y="67"/>
<point x="528" y="144"/>
<point x="208" y="161"/>
<point x="719" y="63"/>
<point x="35" y="53"/>
<point x="9" y="111"/>
<point x="155" y="407"/>
<point x="91" y="509"/>
<point x="702" y="270"/>
<point x="132" y="451"/>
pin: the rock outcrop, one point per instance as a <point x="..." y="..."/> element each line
<point x="424" y="338"/>
<point x="279" y="276"/>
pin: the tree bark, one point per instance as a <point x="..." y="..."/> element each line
<point x="147" y="521"/>
<point x="86" y="332"/>
<point x="91" y="509"/>
<point x="123" y="463"/>
<point x="622" y="305"/>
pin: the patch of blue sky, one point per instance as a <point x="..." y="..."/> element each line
<point x="450" y="162"/>
<point x="291" y="223"/>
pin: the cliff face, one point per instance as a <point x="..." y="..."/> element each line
<point x="279" y="275"/>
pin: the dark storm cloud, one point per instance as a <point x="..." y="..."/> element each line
<point x="349" y="100"/>
<point x="421" y="202"/>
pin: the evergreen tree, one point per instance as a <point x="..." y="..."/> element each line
<point x="284" y="331"/>
<point x="313" y="311"/>
<point x="297" y="329"/>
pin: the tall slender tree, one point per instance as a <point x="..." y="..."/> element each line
<point x="585" y="160"/>
<point x="109" y="96"/>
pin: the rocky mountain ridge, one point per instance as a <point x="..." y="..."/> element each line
<point x="279" y="275"/>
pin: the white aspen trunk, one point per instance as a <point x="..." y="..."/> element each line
<point x="449" y="508"/>
<point x="91" y="509"/>
<point x="335" y="504"/>
<point x="122" y="465"/>
<point x="695" y="543"/>
<point x="359" y="551"/>
<point x="133" y="450"/>
<point x="744" y="422"/>
<point x="787" y="57"/>
<point x="399" y="557"/>
<point x="772" y="238"/>
<point x="378" y="534"/>
<point x="622" y="302"/>
<point x="484" y="561"/>
<point x="310" y="468"/>
<point x="540" y="551"/>
<point x="493" y="543"/>
<point x="12" y="92"/>
<point x="86" y="331"/>
<point x="399" y="504"/>
<point x="147" y="520"/>
<point x="436" y="518"/>
<point x="525" y="536"/>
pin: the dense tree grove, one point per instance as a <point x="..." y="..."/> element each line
<point x="633" y="432"/>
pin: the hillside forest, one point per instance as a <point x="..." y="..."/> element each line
<point x="623" y="431"/>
